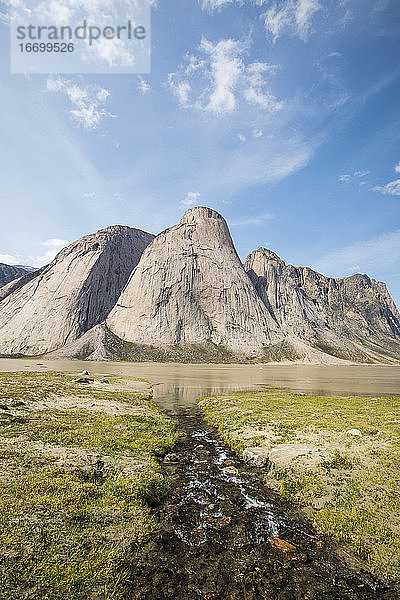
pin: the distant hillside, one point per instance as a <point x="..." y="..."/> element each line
<point x="10" y="272"/>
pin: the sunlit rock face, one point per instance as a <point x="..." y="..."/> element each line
<point x="190" y="286"/>
<point x="72" y="294"/>
<point x="353" y="317"/>
<point x="122" y="292"/>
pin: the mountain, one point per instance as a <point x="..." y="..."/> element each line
<point x="185" y="296"/>
<point x="190" y="287"/>
<point x="352" y="318"/>
<point x="10" y="272"/>
<point x="75" y="292"/>
<point x="15" y="284"/>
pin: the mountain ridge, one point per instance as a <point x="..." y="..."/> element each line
<point x="185" y="296"/>
<point x="73" y="293"/>
<point x="9" y="273"/>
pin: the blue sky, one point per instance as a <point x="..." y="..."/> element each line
<point x="282" y="115"/>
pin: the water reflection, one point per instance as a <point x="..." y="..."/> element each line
<point x="180" y="385"/>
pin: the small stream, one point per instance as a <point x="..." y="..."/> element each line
<point x="218" y="535"/>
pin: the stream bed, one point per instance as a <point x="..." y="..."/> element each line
<point x="224" y="536"/>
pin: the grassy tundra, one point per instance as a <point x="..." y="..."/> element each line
<point x="347" y="481"/>
<point x="78" y="472"/>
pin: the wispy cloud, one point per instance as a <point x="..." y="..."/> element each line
<point x="143" y="85"/>
<point x="367" y="256"/>
<point x="354" y="176"/>
<point x="52" y="248"/>
<point x="393" y="187"/>
<point x="88" y="101"/>
<point x="256" y="220"/>
<point x="111" y="52"/>
<point x="218" y="79"/>
<point x="191" y="199"/>
<point x="291" y="16"/>
<point x="212" y="5"/>
<point x="9" y="259"/>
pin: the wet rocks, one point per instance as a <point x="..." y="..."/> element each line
<point x="230" y="470"/>
<point x="171" y="458"/>
<point x="288" y="551"/>
<point x="257" y="456"/>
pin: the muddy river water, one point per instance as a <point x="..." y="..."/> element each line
<point x="220" y="527"/>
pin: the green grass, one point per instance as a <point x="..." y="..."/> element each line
<point x="204" y="352"/>
<point x="68" y="531"/>
<point x="354" y="491"/>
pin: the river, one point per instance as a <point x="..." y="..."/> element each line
<point x="179" y="385"/>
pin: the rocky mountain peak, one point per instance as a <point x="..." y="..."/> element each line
<point x="72" y="294"/>
<point x="190" y="287"/>
<point x="352" y="317"/>
<point x="200" y="213"/>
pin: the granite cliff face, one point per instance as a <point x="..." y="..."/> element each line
<point x="185" y="296"/>
<point x="10" y="272"/>
<point x="353" y="318"/>
<point x="190" y="286"/>
<point x="72" y="294"/>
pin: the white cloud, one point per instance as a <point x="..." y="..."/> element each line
<point x="226" y="68"/>
<point x="9" y="259"/>
<point x="392" y="188"/>
<point x="294" y="16"/>
<point x="241" y="137"/>
<point x="53" y="247"/>
<point x="257" y="133"/>
<point x="143" y="85"/>
<point x="212" y="5"/>
<point x="356" y="175"/>
<point x="344" y="178"/>
<point x="88" y="101"/>
<point x="257" y="220"/>
<point x="255" y="92"/>
<point x="218" y="79"/>
<point x="190" y="200"/>
<point x="367" y="256"/>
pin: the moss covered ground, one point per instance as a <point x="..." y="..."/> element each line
<point x="76" y="484"/>
<point x="348" y="484"/>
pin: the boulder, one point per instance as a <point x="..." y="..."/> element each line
<point x="257" y="456"/>
<point x="283" y="455"/>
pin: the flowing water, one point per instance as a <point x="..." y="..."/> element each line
<point x="220" y="527"/>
